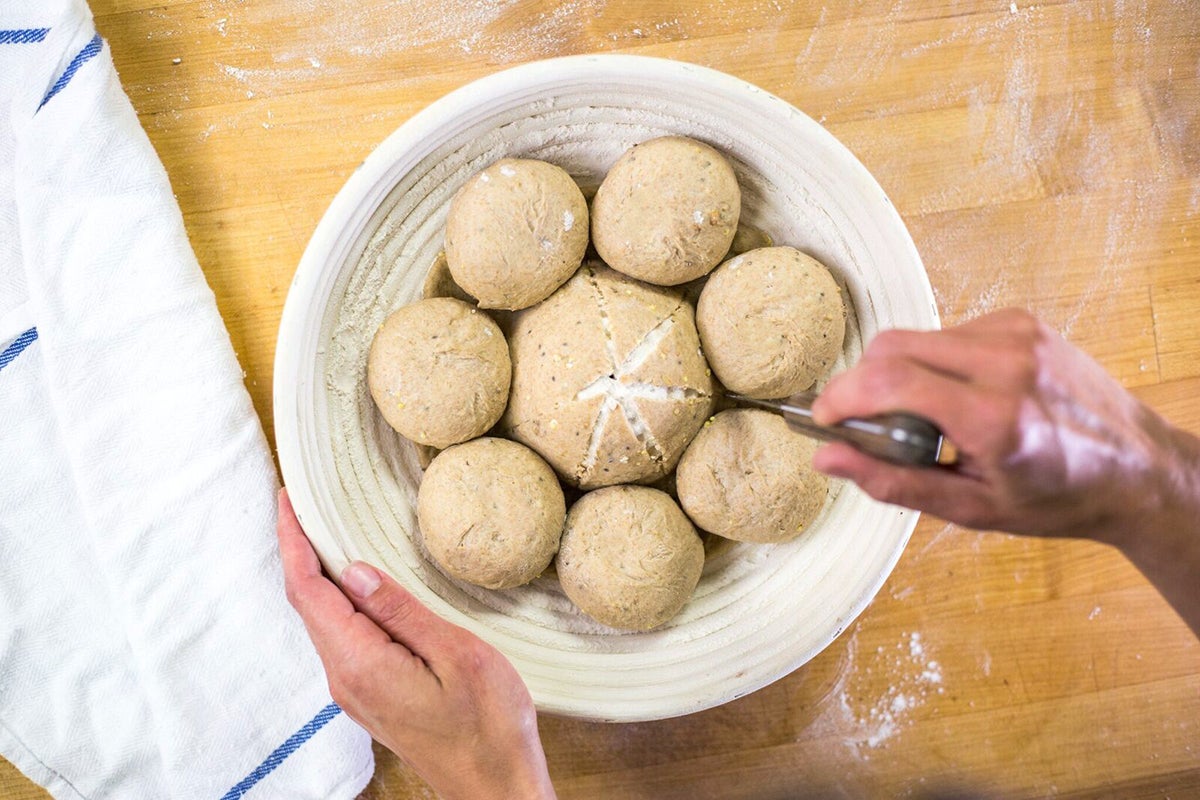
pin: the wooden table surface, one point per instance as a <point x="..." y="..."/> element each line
<point x="1043" y="156"/>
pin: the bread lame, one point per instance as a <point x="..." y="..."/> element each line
<point x="898" y="437"/>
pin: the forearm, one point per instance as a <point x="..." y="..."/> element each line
<point x="1162" y="539"/>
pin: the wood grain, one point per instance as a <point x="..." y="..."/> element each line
<point x="1045" y="156"/>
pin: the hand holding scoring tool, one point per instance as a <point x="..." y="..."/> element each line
<point x="1045" y="443"/>
<point x="896" y="436"/>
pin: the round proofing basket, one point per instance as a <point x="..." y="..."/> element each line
<point x="759" y="611"/>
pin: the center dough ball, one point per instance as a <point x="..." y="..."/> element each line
<point x="667" y="211"/>
<point x="491" y="512"/>
<point x="515" y="232"/>
<point x="629" y="557"/>
<point x="609" y="384"/>
<point x="748" y="477"/>
<point x="439" y="371"/>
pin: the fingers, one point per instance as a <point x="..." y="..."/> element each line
<point x="897" y="384"/>
<point x="978" y="382"/>
<point x="339" y="634"/>
<point x="322" y="607"/>
<point x="995" y="349"/>
<point x="947" y="494"/>
<point x="453" y="707"/>
<point x="378" y="611"/>
<point x="394" y="609"/>
<point x="987" y="360"/>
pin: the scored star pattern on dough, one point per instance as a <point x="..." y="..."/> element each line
<point x="620" y="388"/>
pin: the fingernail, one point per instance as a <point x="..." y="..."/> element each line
<point x="360" y="580"/>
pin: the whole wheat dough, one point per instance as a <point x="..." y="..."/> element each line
<point x="772" y="322"/>
<point x="515" y="232"/>
<point x="667" y="211"/>
<point x="439" y="371"/>
<point x="746" y="476"/>
<point x="629" y="557"/>
<point x="491" y="512"/>
<point x="609" y="384"/>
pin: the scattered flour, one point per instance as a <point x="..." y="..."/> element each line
<point x="267" y="80"/>
<point x="1039" y="129"/>
<point x="978" y="33"/>
<point x="864" y="723"/>
<point x="915" y="676"/>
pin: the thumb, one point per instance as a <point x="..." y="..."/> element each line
<point x="394" y="609"/>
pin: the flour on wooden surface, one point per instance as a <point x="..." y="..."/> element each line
<point x="865" y="723"/>
<point x="915" y="675"/>
<point x="1035" y="122"/>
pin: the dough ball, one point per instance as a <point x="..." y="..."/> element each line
<point x="439" y="371"/>
<point x="609" y="384"/>
<point x="629" y="557"/>
<point x="772" y="322"/>
<point x="667" y="211"/>
<point x="491" y="512"/>
<point x="515" y="232"/>
<point x="746" y="476"/>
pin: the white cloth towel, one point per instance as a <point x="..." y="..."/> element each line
<point x="146" y="647"/>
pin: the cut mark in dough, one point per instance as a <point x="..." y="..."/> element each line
<point x="598" y="426"/>
<point x="618" y="390"/>
<point x="610" y="343"/>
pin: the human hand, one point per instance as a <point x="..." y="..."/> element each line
<point x="450" y="705"/>
<point x="1048" y="443"/>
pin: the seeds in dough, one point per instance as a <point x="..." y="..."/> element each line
<point x="439" y="371"/>
<point x="515" y="232"/>
<point x="772" y="322"/>
<point x="609" y="384"/>
<point x="746" y="476"/>
<point x="491" y="512"/>
<point x="667" y="211"/>
<point x="629" y="557"/>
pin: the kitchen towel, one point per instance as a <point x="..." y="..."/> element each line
<point x="146" y="647"/>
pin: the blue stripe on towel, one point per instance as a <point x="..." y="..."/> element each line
<point x="90" y="50"/>
<point x="284" y="750"/>
<point x="26" y="36"/>
<point x="13" y="350"/>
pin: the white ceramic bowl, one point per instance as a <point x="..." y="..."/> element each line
<point x="760" y="611"/>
